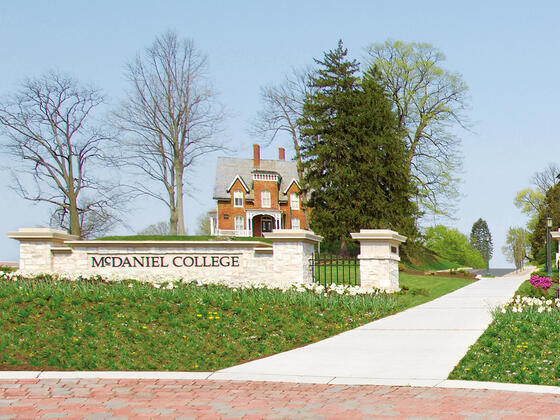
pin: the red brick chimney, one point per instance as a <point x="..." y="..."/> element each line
<point x="256" y="155"/>
<point x="281" y="153"/>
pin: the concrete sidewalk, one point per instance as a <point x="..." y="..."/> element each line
<point x="417" y="347"/>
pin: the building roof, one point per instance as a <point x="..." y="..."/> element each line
<point x="228" y="168"/>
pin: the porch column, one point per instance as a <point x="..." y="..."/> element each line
<point x="249" y="223"/>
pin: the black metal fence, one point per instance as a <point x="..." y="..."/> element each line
<point x="328" y="269"/>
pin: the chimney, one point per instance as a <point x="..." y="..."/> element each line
<point x="256" y="155"/>
<point x="281" y="153"/>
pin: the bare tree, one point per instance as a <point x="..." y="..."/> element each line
<point x="282" y="108"/>
<point x="517" y="243"/>
<point x="170" y="119"/>
<point x="547" y="178"/>
<point x="160" y="228"/>
<point x="531" y="200"/>
<point x="47" y="125"/>
<point x="428" y="101"/>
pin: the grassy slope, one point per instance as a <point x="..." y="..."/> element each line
<point x="427" y="260"/>
<point x="98" y="326"/>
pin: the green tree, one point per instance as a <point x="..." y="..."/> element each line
<point x="353" y="154"/>
<point x="429" y="102"/>
<point x="530" y="200"/>
<point x="481" y="239"/>
<point x="550" y="207"/>
<point x="203" y="223"/>
<point x="452" y="245"/>
<point x="517" y="243"/>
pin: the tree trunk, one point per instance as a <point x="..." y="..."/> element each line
<point x="343" y="249"/>
<point x="172" y="220"/>
<point x="75" y="228"/>
<point x="179" y="199"/>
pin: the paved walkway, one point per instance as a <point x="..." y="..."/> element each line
<point x="417" y="347"/>
<point x="203" y="399"/>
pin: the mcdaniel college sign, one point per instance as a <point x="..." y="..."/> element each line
<point x="163" y="261"/>
<point x="286" y="260"/>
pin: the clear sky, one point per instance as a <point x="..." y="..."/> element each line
<point x="506" y="51"/>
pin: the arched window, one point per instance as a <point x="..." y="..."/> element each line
<point x="265" y="199"/>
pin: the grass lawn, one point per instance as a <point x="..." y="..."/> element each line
<point x="88" y="325"/>
<point x="518" y="347"/>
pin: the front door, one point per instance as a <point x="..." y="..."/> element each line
<point x="267" y="224"/>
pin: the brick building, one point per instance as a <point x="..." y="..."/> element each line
<point x="256" y="195"/>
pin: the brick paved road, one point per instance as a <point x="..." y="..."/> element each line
<point x="203" y="399"/>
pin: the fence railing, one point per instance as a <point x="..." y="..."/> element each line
<point x="328" y="269"/>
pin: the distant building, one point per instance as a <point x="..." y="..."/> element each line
<point x="256" y="195"/>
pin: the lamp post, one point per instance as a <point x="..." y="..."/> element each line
<point x="548" y="264"/>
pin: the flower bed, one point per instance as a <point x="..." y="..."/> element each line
<point x="94" y="323"/>
<point x="522" y="345"/>
<point x="172" y="281"/>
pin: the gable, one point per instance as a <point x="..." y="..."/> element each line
<point x="239" y="180"/>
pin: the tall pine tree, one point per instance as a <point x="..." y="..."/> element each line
<point x="354" y="156"/>
<point x="481" y="239"/>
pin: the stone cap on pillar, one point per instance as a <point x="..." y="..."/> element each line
<point x="379" y="243"/>
<point x="41" y="234"/>
<point x="378" y="235"/>
<point x="293" y="235"/>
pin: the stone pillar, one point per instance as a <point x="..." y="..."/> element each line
<point x="292" y="251"/>
<point x="36" y="245"/>
<point x="379" y="258"/>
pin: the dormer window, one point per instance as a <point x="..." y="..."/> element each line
<point x="265" y="199"/>
<point x="238" y="199"/>
<point x="294" y="201"/>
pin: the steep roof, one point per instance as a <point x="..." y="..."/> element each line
<point x="228" y="168"/>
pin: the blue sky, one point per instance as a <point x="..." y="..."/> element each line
<point x="506" y="51"/>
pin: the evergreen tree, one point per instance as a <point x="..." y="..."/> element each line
<point x="481" y="239"/>
<point x="354" y="156"/>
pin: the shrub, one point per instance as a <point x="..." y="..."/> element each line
<point x="541" y="282"/>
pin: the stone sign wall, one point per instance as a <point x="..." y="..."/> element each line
<point x="287" y="260"/>
<point x="284" y="261"/>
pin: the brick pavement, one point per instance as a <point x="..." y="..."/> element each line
<point x="206" y="399"/>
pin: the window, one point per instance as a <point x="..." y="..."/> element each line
<point x="265" y="199"/>
<point x="238" y="199"/>
<point x="294" y="201"/>
<point x="238" y="223"/>
<point x="295" y="223"/>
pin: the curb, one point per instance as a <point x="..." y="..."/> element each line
<point x="429" y="383"/>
